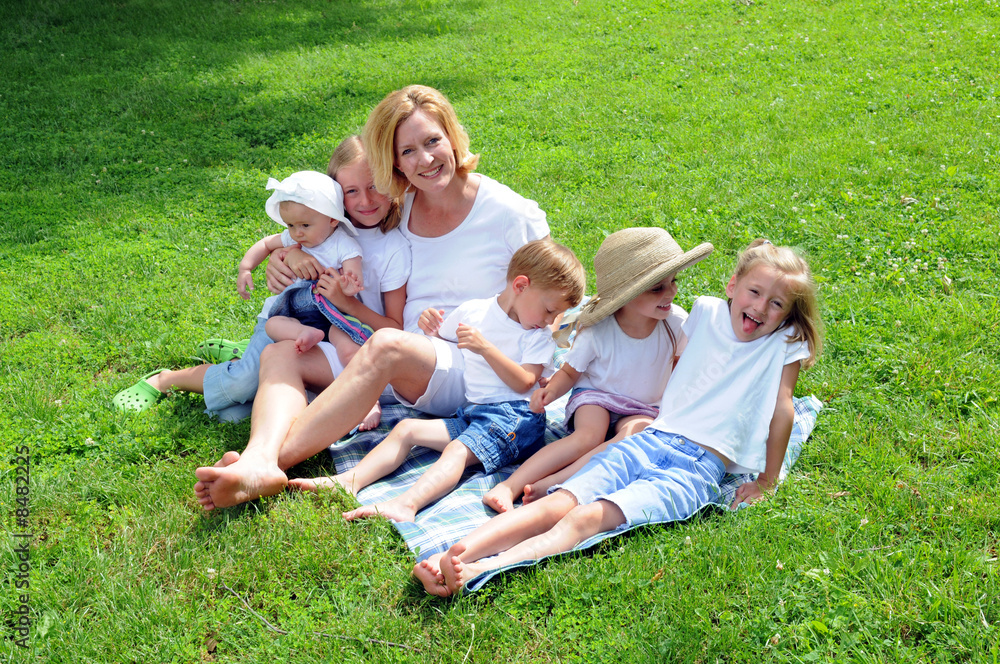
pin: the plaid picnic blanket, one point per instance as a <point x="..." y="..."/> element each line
<point x="443" y="523"/>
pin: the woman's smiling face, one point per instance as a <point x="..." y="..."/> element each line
<point x="364" y="206"/>
<point x="424" y="153"/>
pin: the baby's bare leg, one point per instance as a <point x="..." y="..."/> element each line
<point x="591" y="426"/>
<point x="345" y="346"/>
<point x="282" y="328"/>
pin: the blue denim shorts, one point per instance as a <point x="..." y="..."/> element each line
<point x="652" y="476"/>
<point x="314" y="310"/>
<point x="498" y="433"/>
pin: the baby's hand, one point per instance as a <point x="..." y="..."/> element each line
<point x="303" y="265"/>
<point x="471" y="339"/>
<point x="244" y="284"/>
<point x="351" y="283"/>
<point x="430" y="321"/>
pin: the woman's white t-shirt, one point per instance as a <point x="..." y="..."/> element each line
<point x="471" y="261"/>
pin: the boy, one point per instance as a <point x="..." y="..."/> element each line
<point x="505" y="342"/>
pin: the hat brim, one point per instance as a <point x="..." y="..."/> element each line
<point x="603" y="305"/>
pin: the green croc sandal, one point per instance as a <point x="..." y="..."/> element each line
<point x="221" y="350"/>
<point x="140" y="397"/>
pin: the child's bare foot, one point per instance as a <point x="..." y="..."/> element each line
<point x="531" y="494"/>
<point x="314" y="484"/>
<point x="372" y="419"/>
<point x="500" y="498"/>
<point x="308" y="338"/>
<point x="428" y="572"/>
<point x="392" y="510"/>
<point x="237" y="479"/>
<point x="457" y="573"/>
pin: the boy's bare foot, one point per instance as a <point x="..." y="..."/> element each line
<point x="500" y="498"/>
<point x="392" y="510"/>
<point x="314" y="484"/>
<point x="531" y="494"/>
<point x="372" y="419"/>
<point x="308" y="338"/>
<point x="428" y="572"/>
<point x="457" y="573"/>
<point x="242" y="479"/>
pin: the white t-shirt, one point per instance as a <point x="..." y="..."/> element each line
<point x="331" y="252"/>
<point x="611" y="361"/>
<point x="482" y="385"/>
<point x="471" y="261"/>
<point x="386" y="266"/>
<point x="723" y="391"/>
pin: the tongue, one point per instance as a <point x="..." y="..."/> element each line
<point x="749" y="326"/>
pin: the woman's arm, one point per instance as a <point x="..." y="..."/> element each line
<point x="777" y="439"/>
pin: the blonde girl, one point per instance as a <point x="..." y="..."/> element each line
<point x="621" y="359"/>
<point x="727" y="408"/>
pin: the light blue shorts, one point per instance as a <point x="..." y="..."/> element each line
<point x="498" y="433"/>
<point x="652" y="476"/>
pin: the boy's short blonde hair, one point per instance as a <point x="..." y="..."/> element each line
<point x="349" y="151"/>
<point x="379" y="134"/>
<point x="550" y="266"/>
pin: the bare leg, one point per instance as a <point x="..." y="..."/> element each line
<point x="281" y="397"/>
<point x="390" y="356"/>
<point x="346" y="350"/>
<point x="591" y="426"/>
<point x="386" y="457"/>
<point x="439" y="479"/>
<point x="580" y="524"/>
<point x="285" y="328"/>
<point x="624" y="428"/>
<point x="189" y="379"/>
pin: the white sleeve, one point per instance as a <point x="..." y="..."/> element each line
<point x="583" y="351"/>
<point x="449" y="328"/>
<point x="347" y="247"/>
<point x="525" y="222"/>
<point x="398" y="262"/>
<point x="539" y="348"/>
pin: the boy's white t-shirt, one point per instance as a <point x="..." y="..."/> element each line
<point x="471" y="261"/>
<point x="482" y="385"/>
<point x="723" y="391"/>
<point x="611" y="361"/>
<point x="386" y="266"/>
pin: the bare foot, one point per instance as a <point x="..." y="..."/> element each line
<point x="372" y="419"/>
<point x="533" y="492"/>
<point x="391" y="510"/>
<point x="428" y="572"/>
<point x="314" y="484"/>
<point x="237" y="482"/>
<point x="500" y="498"/>
<point x="228" y="459"/>
<point x="452" y="568"/>
<point x="308" y="338"/>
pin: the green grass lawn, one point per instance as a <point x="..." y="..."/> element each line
<point x="136" y="140"/>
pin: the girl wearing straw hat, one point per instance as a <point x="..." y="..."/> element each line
<point x="622" y="357"/>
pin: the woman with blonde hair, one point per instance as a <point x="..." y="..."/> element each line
<point x="463" y="229"/>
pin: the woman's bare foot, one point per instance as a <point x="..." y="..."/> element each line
<point x="428" y="572"/>
<point x="500" y="498"/>
<point x="393" y="510"/>
<point x="244" y="479"/>
<point x="308" y="338"/>
<point x="372" y="419"/>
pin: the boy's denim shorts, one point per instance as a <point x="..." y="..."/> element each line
<point x="652" y="476"/>
<point x="498" y="433"/>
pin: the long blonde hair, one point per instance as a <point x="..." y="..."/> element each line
<point x="379" y="134"/>
<point x="804" y="313"/>
<point x="350" y="151"/>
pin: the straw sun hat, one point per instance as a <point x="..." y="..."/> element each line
<point x="632" y="261"/>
